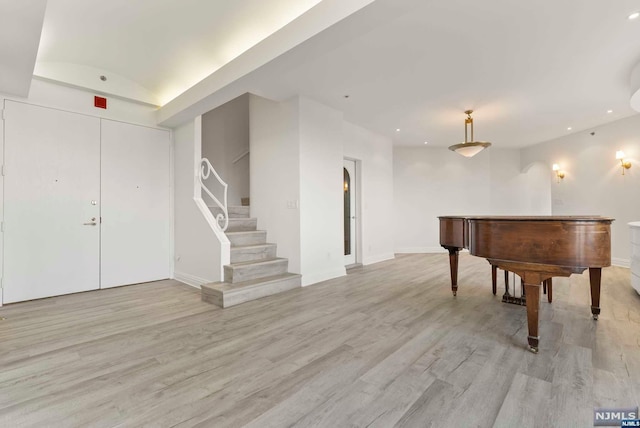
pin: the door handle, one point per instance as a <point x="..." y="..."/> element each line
<point x="91" y="223"/>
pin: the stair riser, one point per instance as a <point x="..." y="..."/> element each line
<point x="251" y="238"/>
<point x="214" y="297"/>
<point x="242" y="224"/>
<point x="235" y="297"/>
<point x="234" y="274"/>
<point x="253" y="254"/>
<point x="234" y="212"/>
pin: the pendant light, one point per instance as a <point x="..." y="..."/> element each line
<point x="469" y="148"/>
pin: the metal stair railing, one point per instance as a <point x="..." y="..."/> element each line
<point x="206" y="169"/>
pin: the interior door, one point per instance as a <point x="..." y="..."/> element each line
<point x="52" y="195"/>
<point x="135" y="204"/>
<point x="349" y="190"/>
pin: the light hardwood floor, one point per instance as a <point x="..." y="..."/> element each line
<point x="385" y="346"/>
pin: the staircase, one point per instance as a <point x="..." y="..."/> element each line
<point x="255" y="270"/>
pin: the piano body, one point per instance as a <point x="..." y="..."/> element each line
<point x="536" y="248"/>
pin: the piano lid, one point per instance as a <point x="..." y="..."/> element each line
<point x="573" y="218"/>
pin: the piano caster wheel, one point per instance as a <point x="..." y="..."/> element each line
<point x="533" y="349"/>
<point x="455" y="293"/>
<point x="595" y="317"/>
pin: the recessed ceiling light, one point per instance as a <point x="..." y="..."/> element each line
<point x="609" y="111"/>
<point x="426" y="142"/>
<point x="569" y="128"/>
<point x="397" y="129"/>
<point x="634" y="15"/>
<point x="346" y="96"/>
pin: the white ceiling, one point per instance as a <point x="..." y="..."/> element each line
<point x="530" y="70"/>
<point x="165" y="46"/>
<point x="20" y="26"/>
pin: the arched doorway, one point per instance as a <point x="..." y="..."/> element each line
<point x="349" y="212"/>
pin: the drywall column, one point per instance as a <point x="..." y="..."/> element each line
<point x="275" y="174"/>
<point x="296" y="182"/>
<point x="321" y="204"/>
<point x="374" y="153"/>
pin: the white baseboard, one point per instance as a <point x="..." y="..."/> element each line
<point x="378" y="258"/>
<point x="414" y="250"/>
<point x="635" y="282"/>
<point x="423" y="250"/>
<point x="323" y="276"/>
<point x="191" y="280"/>
<point x="620" y="262"/>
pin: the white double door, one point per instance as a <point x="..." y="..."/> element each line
<point x="86" y="203"/>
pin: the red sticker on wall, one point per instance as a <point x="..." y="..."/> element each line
<point x="100" y="102"/>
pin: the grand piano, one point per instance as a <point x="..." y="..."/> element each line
<point x="535" y="248"/>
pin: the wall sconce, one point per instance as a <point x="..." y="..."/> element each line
<point x="624" y="164"/>
<point x="559" y="173"/>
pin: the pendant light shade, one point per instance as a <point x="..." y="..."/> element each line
<point x="469" y="148"/>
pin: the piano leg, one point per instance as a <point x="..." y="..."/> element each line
<point x="494" y="278"/>
<point x="594" y="279"/>
<point x="532" y="293"/>
<point x="506" y="294"/>
<point x="548" y="288"/>
<point x="453" y="266"/>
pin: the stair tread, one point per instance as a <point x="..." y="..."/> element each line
<point x="234" y="211"/>
<point x="247" y="247"/>
<point x="258" y="262"/>
<point x="226" y="286"/>
<point x="246" y="231"/>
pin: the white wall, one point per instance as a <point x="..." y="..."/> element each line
<point x="431" y="182"/>
<point x="275" y="174"/>
<point x="514" y="191"/>
<point x="321" y="195"/>
<point x="49" y="94"/>
<point x="225" y="137"/>
<point x="374" y="154"/>
<point x="197" y="250"/>
<point x="1" y="196"/>
<point x="594" y="183"/>
<point x="537" y="188"/>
